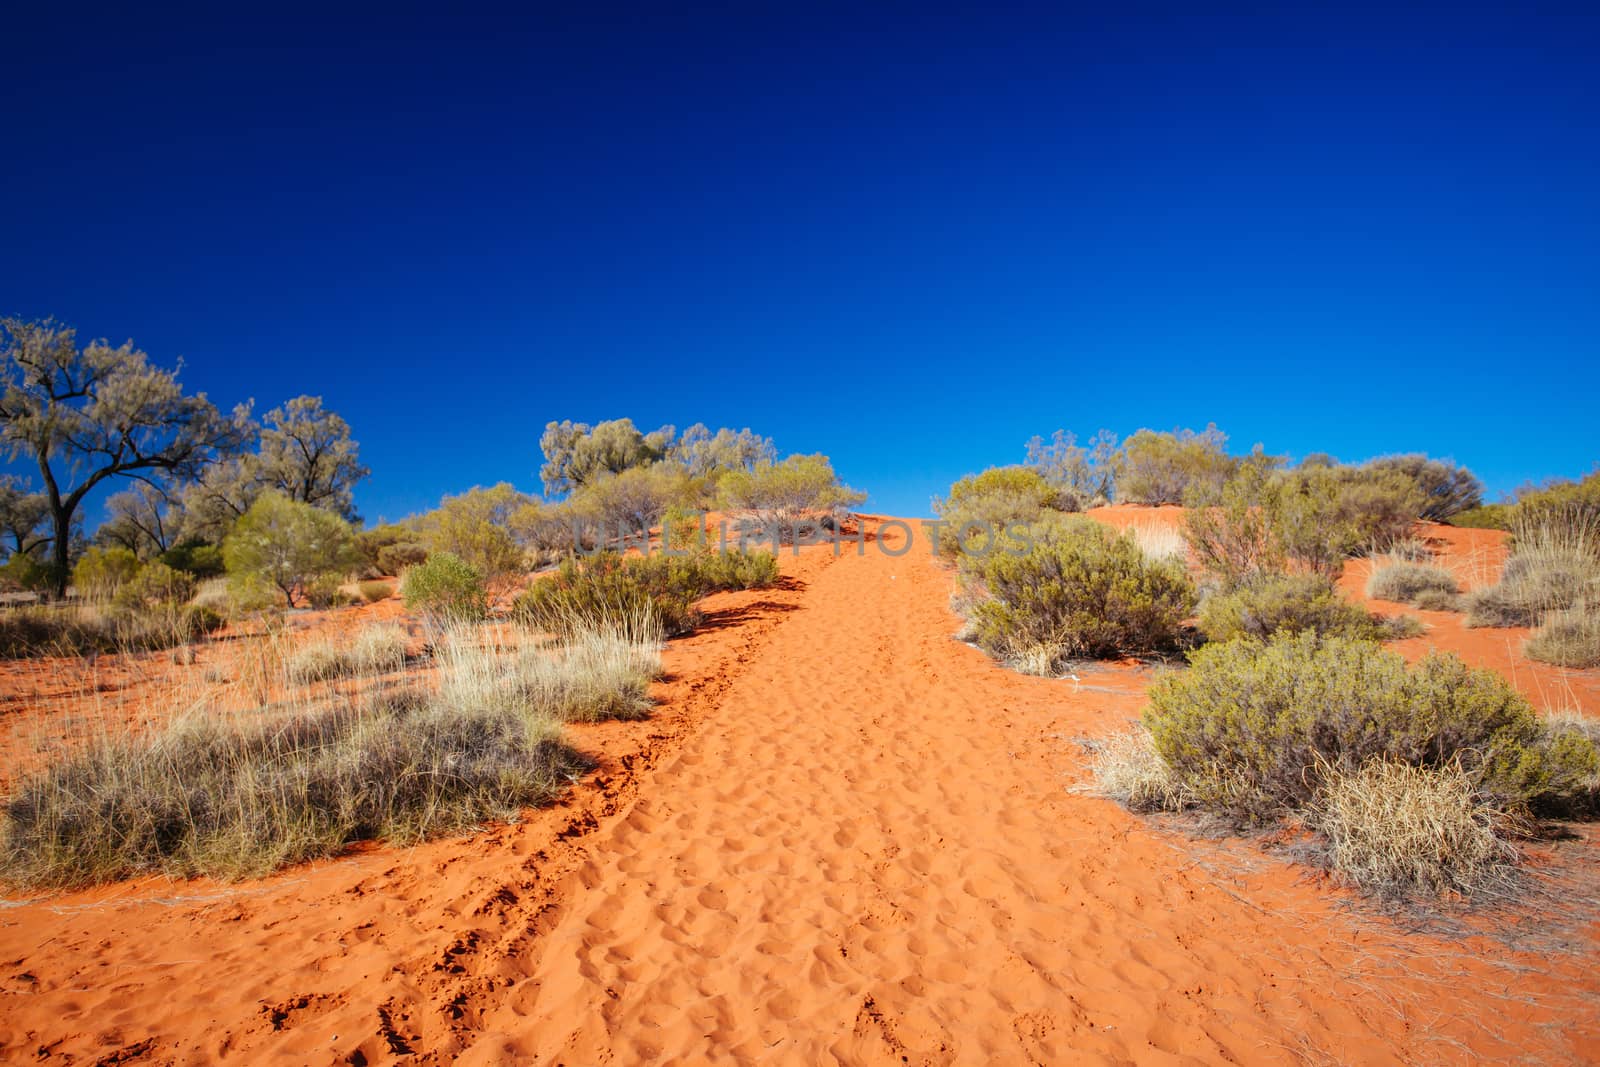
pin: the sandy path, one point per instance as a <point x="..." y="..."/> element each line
<point x="845" y="838"/>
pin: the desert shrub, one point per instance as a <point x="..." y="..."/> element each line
<point x="372" y="592"/>
<point x="1378" y="506"/>
<point x="394" y="559"/>
<point x="1128" y="769"/>
<point x="720" y="571"/>
<point x="1562" y="504"/>
<point x="210" y="795"/>
<point x="198" y="559"/>
<point x="374" y="650"/>
<point x="445" y="588"/>
<point x="632" y="501"/>
<point x="1400" y="829"/>
<point x="981" y="506"/>
<point x="1085" y="473"/>
<point x="1403" y="583"/>
<point x="592" y="592"/>
<point x="781" y="497"/>
<point x="1254" y="729"/>
<point x="327" y="591"/>
<point x="577" y="454"/>
<point x="198" y="620"/>
<point x="369" y="544"/>
<point x="1483" y="517"/>
<point x="594" y="674"/>
<point x="1567" y="639"/>
<point x="23" y="573"/>
<point x="1446" y="488"/>
<point x="289" y="544"/>
<point x="1162" y="468"/>
<point x="248" y="595"/>
<point x="100" y="572"/>
<point x="1292" y="603"/>
<point x="1079" y="592"/>
<point x="1410" y="550"/>
<point x="475" y="527"/>
<point x="155" y="584"/>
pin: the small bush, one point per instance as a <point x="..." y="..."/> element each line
<point x="1399" y="829"/>
<point x="1483" y="517"/>
<point x="195" y="558"/>
<point x="395" y="559"/>
<point x="100" y="572"/>
<point x="1080" y="592"/>
<point x="588" y="593"/>
<point x="446" y="589"/>
<point x="290" y="544"/>
<point x="1164" y="468"/>
<point x="1439" y="600"/>
<point x="781" y="497"/>
<point x="1533" y="583"/>
<point x="198" y="620"/>
<point x="1291" y="603"/>
<point x="155" y="584"/>
<point x="372" y="592"/>
<point x="1567" y="639"/>
<point x="1254" y="729"/>
<point x="1403" y="583"/>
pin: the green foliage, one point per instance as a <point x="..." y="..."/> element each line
<point x="156" y="585"/>
<point x="604" y="589"/>
<point x="1483" y="517"/>
<point x="633" y="501"/>
<point x="196" y="558"/>
<point x="100" y="572"/>
<point x="23" y="573"/>
<point x="1404" y="583"/>
<point x="1163" y="468"/>
<point x="706" y="455"/>
<point x="1446" y="489"/>
<point x="785" y="495"/>
<point x="394" y="559"/>
<point x="1292" y="603"/>
<point x="1254" y="729"/>
<point x="290" y="544"/>
<point x="984" y="506"/>
<point x="1080" y="592"/>
<point x="1564" y="503"/>
<point x="445" y="588"/>
<point x="475" y="526"/>
<point x="575" y="453"/>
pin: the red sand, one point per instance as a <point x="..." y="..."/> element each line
<point x="844" y="838"/>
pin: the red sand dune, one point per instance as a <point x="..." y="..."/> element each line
<point x="844" y="838"/>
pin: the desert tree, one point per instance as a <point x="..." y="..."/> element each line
<point x="143" y="518"/>
<point x="1086" y="471"/>
<point x="290" y="544"/>
<point x="22" y="516"/>
<point x="702" y="453"/>
<point x="86" y="415"/>
<point x="576" y="453"/>
<point x="307" y="454"/>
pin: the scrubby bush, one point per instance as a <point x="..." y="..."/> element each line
<point x="289" y="544"/>
<point x="1162" y="468"/>
<point x="100" y="572"/>
<point x="1403" y="583"/>
<point x="445" y="588"/>
<point x="372" y="592"/>
<point x="155" y="584"/>
<point x="1399" y="829"/>
<point x="475" y="527"/>
<point x="198" y="559"/>
<point x="1080" y="591"/>
<point x="1291" y="603"/>
<point x="1537" y="580"/>
<point x="1566" y="505"/>
<point x="24" y="574"/>
<point x="1446" y="488"/>
<point x="1483" y="517"/>
<point x="1568" y="639"/>
<point x="1085" y="473"/>
<point x="1439" y="600"/>
<point x="982" y="506"/>
<point x="633" y="501"/>
<point x="370" y="545"/>
<point x="587" y="593"/>
<point x="782" y="497"/>
<point x="396" y="558"/>
<point x="1254" y="729"/>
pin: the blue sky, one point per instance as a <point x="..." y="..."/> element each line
<point x="909" y="238"/>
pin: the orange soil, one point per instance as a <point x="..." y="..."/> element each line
<point x="844" y="837"/>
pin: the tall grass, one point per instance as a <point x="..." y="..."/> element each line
<point x="1554" y="566"/>
<point x="95" y="629"/>
<point x="234" y="793"/>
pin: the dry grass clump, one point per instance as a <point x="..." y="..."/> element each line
<point x="1399" y="829"/>
<point x="1160" y="543"/>
<point x="84" y="630"/>
<point x="237" y="797"/>
<point x="1128" y="769"/>
<point x="1554" y="566"/>
<point x="374" y="591"/>
<point x="1567" y="639"/>
<point x="376" y="649"/>
<point x="1404" y="582"/>
<point x="596" y="673"/>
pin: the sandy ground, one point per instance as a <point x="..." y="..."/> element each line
<point x="843" y="838"/>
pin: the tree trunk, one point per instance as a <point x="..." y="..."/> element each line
<point x="61" y="518"/>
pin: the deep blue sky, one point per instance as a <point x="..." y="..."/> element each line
<point x="908" y="239"/>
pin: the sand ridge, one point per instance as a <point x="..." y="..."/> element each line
<point x="845" y="838"/>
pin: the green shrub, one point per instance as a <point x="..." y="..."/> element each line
<point x="981" y="506"/>
<point x="100" y="572"/>
<point x="23" y="573"/>
<point x="1080" y="592"/>
<point x="1164" y="468"/>
<point x="1483" y="517"/>
<point x="395" y="559"/>
<point x="445" y="588"/>
<point x="289" y="544"/>
<point x="600" y="589"/>
<point x="195" y="558"/>
<point x="1292" y="603"/>
<point x="1568" y="639"/>
<point x="1403" y="583"/>
<point x="155" y="584"/>
<point x="1565" y="504"/>
<point x="1254" y="729"/>
<point x="1446" y="489"/>
<point x="199" y="620"/>
<point x="781" y="497"/>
